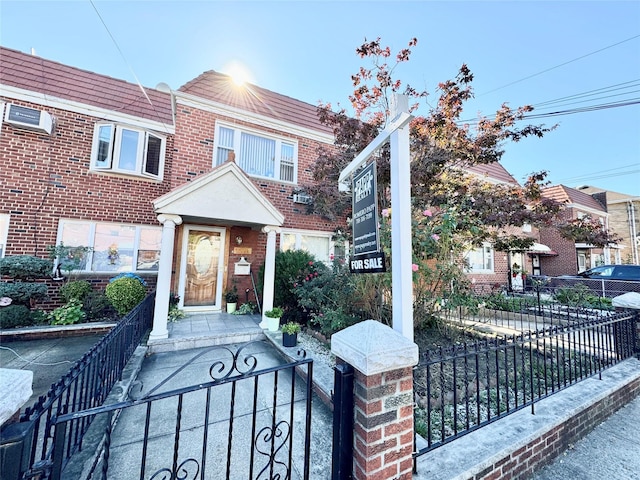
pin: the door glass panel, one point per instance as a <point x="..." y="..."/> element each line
<point x="203" y="261"/>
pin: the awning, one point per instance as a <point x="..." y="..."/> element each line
<point x="540" y="249"/>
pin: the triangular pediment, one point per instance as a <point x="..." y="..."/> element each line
<point x="225" y="195"/>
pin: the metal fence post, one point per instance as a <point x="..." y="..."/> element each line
<point x="16" y="441"/>
<point x="343" y="401"/>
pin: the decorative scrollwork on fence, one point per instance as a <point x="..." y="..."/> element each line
<point x="181" y="472"/>
<point x="242" y="363"/>
<point x="268" y="442"/>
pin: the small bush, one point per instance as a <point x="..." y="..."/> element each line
<point x="25" y="267"/>
<point x="75" y="290"/>
<point x="23" y="293"/>
<point x="67" y="314"/>
<point x="98" y="308"/>
<point x="125" y="293"/>
<point x="15" y="316"/>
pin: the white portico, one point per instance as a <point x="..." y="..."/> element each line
<point x="196" y="219"/>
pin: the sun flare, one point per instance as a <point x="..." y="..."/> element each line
<point x="238" y="73"/>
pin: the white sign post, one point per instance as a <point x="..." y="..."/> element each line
<point x="401" y="254"/>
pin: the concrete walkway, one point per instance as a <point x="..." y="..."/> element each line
<point x="181" y="431"/>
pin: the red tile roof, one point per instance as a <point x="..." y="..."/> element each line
<point x="220" y="88"/>
<point x="51" y="78"/>
<point x="494" y="171"/>
<point x="564" y="194"/>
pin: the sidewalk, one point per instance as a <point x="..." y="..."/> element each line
<point x="611" y="451"/>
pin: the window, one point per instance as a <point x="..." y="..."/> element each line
<point x="319" y="244"/>
<point x="127" y="150"/>
<point x="4" y="230"/>
<point x="480" y="260"/>
<point x="258" y="155"/>
<point x="113" y="247"/>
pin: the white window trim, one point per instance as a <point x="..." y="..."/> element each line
<point x="91" y="241"/>
<point x="237" y="130"/>
<point x="116" y="140"/>
<point x="4" y="234"/>
<point x="471" y="270"/>
<point x="314" y="233"/>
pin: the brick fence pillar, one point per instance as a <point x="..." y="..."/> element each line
<point x="383" y="416"/>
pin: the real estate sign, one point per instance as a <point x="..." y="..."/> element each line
<point x="366" y="240"/>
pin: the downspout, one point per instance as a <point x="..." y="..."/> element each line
<point x="631" y="215"/>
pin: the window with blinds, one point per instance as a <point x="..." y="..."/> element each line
<point x="258" y="155"/>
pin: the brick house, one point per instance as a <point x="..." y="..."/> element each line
<point x="488" y="267"/>
<point x="624" y="219"/>
<point x="192" y="189"/>
<point x="574" y="257"/>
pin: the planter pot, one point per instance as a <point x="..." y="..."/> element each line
<point x="289" y="339"/>
<point x="273" y="324"/>
<point x="231" y="307"/>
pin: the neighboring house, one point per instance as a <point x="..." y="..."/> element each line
<point x="490" y="267"/>
<point x="193" y="189"/>
<point x="624" y="220"/>
<point x="574" y="257"/>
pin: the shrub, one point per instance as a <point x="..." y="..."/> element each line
<point x="23" y="293"/>
<point x="15" y="316"/>
<point x="25" y="267"/>
<point x="125" y="293"/>
<point x="290" y="266"/>
<point x="98" y="308"/>
<point x="75" y="290"/>
<point x="67" y="314"/>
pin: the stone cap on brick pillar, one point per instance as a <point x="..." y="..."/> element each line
<point x="15" y="390"/>
<point x="371" y="348"/>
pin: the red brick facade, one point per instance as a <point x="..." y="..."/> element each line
<point x="46" y="178"/>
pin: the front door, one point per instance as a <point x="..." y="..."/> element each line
<point x="202" y="268"/>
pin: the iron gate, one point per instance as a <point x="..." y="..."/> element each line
<point x="242" y="422"/>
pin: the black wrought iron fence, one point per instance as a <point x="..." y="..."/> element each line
<point x="86" y="385"/>
<point x="464" y="387"/>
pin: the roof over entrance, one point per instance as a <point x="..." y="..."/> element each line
<point x="224" y="195"/>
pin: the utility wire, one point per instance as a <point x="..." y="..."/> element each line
<point x="560" y="65"/>
<point x="121" y="53"/>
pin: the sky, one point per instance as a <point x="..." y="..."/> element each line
<point x="557" y="55"/>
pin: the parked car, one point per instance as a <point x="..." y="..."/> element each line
<point x="613" y="272"/>
<point x="605" y="280"/>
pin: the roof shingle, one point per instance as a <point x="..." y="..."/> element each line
<point x="51" y="78"/>
<point x="220" y="88"/>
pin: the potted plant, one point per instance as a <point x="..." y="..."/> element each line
<point x="290" y="332"/>
<point x="231" y="297"/>
<point x="273" y="318"/>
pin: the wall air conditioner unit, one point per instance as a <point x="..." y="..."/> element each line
<point x="29" y="118"/>
<point x="301" y="198"/>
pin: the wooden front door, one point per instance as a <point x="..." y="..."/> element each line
<point x="202" y="267"/>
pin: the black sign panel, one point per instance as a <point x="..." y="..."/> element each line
<point x="365" y="212"/>
<point x="369" y="263"/>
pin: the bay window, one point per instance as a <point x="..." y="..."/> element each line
<point x="4" y="230"/>
<point x="128" y="150"/>
<point x="113" y="247"/>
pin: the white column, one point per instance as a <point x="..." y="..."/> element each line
<point x="163" y="286"/>
<point x="401" y="257"/>
<point x="269" y="271"/>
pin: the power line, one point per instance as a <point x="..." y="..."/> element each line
<point x="588" y="93"/>
<point x="560" y="65"/>
<point x="601" y="174"/>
